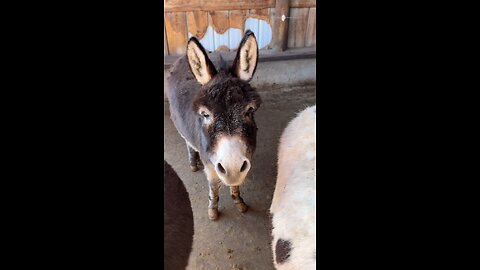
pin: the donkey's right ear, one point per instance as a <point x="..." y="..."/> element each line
<point x="200" y="65"/>
<point x="245" y="63"/>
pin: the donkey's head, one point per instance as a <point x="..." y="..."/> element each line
<point x="225" y="105"/>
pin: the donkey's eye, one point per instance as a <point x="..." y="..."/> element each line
<point x="204" y="114"/>
<point x="250" y="111"/>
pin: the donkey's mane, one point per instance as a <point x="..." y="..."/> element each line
<point x="227" y="90"/>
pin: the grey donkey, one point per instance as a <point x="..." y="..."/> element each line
<point x="213" y="107"/>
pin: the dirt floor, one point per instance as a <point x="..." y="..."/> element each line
<point x="236" y="240"/>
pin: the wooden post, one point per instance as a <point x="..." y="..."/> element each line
<point x="280" y="31"/>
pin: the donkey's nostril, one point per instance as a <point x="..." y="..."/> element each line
<point x="244" y="166"/>
<point x="220" y="168"/>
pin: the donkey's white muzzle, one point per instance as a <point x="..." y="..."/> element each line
<point x="230" y="163"/>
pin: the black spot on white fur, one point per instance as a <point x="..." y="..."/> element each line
<point x="282" y="250"/>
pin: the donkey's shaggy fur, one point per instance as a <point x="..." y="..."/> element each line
<point x="293" y="204"/>
<point x="213" y="110"/>
<point x="178" y="221"/>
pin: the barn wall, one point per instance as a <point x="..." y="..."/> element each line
<point x="220" y="24"/>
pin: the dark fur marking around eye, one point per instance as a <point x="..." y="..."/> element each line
<point x="282" y="250"/>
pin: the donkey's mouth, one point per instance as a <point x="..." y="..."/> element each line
<point x="232" y="182"/>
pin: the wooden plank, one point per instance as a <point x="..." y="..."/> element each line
<point x="237" y="27"/>
<point x="264" y="56"/>
<point x="272" y="20"/>
<point x="272" y="13"/>
<point x="264" y="26"/>
<point x="176" y="26"/>
<point x="197" y="23"/>
<point x="237" y="19"/>
<point x="280" y="31"/>
<point x="261" y="14"/>
<point x="297" y="27"/>
<point x="210" y="5"/>
<point x="311" y="36"/>
<point x="165" y="43"/>
<point x="220" y="21"/>
<point x="303" y="3"/>
<point x="221" y="24"/>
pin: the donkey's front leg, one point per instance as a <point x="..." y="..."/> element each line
<point x="194" y="159"/>
<point x="239" y="203"/>
<point x="213" y="187"/>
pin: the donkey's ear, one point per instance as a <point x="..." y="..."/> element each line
<point x="200" y="65"/>
<point x="245" y="62"/>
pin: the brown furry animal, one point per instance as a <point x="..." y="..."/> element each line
<point x="178" y="221"/>
<point x="213" y="110"/>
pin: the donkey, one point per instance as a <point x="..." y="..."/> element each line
<point x="213" y="110"/>
<point x="294" y="198"/>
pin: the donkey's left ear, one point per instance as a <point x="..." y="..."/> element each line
<point x="199" y="63"/>
<point x="245" y="62"/>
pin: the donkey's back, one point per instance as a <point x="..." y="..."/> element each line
<point x="181" y="92"/>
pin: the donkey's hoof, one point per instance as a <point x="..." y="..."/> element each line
<point x="242" y="207"/>
<point x="212" y="213"/>
<point x="194" y="168"/>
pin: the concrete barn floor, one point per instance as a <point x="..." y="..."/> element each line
<point x="236" y="240"/>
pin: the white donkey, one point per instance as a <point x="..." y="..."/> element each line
<point x="293" y="204"/>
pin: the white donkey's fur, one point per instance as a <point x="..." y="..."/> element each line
<point x="293" y="204"/>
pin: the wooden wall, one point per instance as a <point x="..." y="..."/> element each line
<point x="302" y="27"/>
<point x="220" y="24"/>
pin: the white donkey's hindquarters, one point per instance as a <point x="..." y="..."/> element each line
<point x="294" y="199"/>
